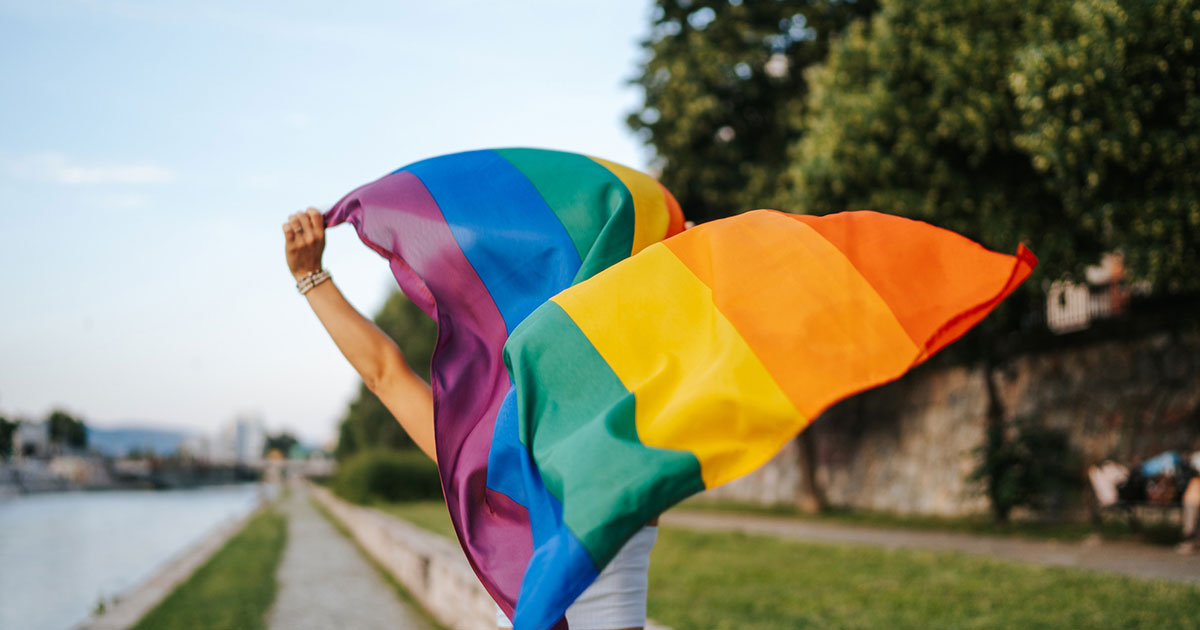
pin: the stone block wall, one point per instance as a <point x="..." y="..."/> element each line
<point x="909" y="446"/>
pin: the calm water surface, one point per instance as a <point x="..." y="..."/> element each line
<point x="61" y="553"/>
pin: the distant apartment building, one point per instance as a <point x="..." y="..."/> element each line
<point x="240" y="441"/>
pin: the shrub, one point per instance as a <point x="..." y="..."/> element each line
<point x="1034" y="467"/>
<point x="387" y="475"/>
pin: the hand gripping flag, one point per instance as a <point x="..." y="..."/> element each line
<point x="638" y="372"/>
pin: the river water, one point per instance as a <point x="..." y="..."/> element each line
<point x="62" y="553"/>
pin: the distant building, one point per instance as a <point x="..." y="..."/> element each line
<point x="197" y="447"/>
<point x="1072" y="306"/>
<point x="241" y="441"/>
<point x="32" y="439"/>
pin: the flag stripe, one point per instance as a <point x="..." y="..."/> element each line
<point x="592" y="203"/>
<point x="874" y="242"/>
<point x="561" y="376"/>
<point x="699" y="387"/>
<point x="771" y="276"/>
<point x="653" y="213"/>
<point x="514" y="241"/>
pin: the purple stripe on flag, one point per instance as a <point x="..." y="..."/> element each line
<point x="469" y="379"/>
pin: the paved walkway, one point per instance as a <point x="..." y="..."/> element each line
<point x="325" y="583"/>
<point x="1116" y="557"/>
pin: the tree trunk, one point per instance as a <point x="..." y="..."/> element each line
<point x="811" y="498"/>
<point x="994" y="442"/>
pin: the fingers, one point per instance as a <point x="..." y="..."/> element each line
<point x="317" y="220"/>
<point x="302" y="234"/>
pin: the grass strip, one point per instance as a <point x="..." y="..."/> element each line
<point x="731" y="580"/>
<point x="431" y="516"/>
<point x="401" y="592"/>
<point x="234" y="589"/>
<point x="726" y="580"/>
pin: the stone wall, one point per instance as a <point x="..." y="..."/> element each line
<point x="908" y="447"/>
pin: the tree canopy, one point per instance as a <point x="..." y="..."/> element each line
<point x="1071" y="126"/>
<point x="723" y="88"/>
<point x="67" y="429"/>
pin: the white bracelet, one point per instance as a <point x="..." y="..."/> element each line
<point x="311" y="280"/>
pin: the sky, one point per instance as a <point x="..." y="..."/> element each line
<point x="150" y="151"/>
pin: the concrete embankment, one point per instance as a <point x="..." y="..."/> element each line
<point x="130" y="607"/>
<point x="432" y="568"/>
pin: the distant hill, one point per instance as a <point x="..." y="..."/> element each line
<point x="119" y="441"/>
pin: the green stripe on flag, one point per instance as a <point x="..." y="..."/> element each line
<point x="578" y="421"/>
<point x="583" y="195"/>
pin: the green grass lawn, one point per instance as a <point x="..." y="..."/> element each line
<point x="234" y="589"/>
<point x="730" y="580"/>
<point x="716" y="580"/>
<point x="430" y="515"/>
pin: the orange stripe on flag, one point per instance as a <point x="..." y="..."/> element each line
<point x="817" y="326"/>
<point x="937" y="282"/>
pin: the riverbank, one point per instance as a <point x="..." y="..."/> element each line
<point x="66" y="553"/>
<point x="127" y="610"/>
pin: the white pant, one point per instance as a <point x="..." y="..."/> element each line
<point x="617" y="599"/>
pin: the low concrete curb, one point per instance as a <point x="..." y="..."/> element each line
<point x="130" y="607"/>
<point x="431" y="567"/>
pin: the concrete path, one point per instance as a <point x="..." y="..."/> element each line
<point x="326" y="584"/>
<point x="1115" y="557"/>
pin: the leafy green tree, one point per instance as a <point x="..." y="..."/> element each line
<point x="7" y="428"/>
<point x="367" y="423"/>
<point x="67" y="429"/>
<point x="1035" y="468"/>
<point x="1072" y="126"/>
<point x="1109" y="103"/>
<point x="724" y="87"/>
<point x="283" y="442"/>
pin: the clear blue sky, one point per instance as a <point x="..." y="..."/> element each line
<point x="150" y="151"/>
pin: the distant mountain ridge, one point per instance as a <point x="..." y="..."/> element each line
<point x="118" y="442"/>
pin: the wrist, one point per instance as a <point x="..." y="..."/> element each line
<point x="301" y="274"/>
<point x="306" y="282"/>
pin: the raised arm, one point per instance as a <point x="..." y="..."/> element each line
<point x="372" y="353"/>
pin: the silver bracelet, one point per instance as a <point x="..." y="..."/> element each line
<point x="311" y="280"/>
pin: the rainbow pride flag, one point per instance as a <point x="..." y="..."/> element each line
<point x="577" y="397"/>
<point x="479" y="240"/>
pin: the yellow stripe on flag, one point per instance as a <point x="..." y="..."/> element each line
<point x="698" y="385"/>
<point x="650" y="207"/>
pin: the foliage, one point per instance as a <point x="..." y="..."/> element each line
<point x="724" y="580"/>
<point x="385" y="475"/>
<point x="1109" y="99"/>
<point x="234" y="589"/>
<point x="1034" y="467"/>
<point x="67" y="429"/>
<point x="7" y="428"/>
<point x="282" y="442"/>
<point x="1072" y="126"/>
<point x="368" y="423"/>
<point x="723" y="86"/>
